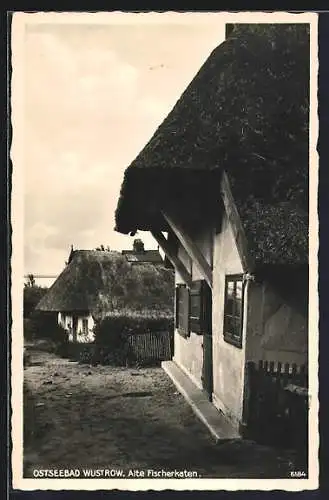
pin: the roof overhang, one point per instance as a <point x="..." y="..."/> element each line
<point x="146" y="193"/>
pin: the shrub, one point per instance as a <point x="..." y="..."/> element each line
<point x="115" y="328"/>
<point x="44" y="325"/>
<point x="118" y="356"/>
<point x="63" y="349"/>
<point x="29" y="329"/>
<point x="93" y="354"/>
<point x="45" y="345"/>
<point x="31" y="296"/>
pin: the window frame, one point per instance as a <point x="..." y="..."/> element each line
<point x="231" y="337"/>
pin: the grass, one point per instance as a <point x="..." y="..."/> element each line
<point x="103" y="417"/>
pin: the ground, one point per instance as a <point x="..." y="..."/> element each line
<point x="122" y="418"/>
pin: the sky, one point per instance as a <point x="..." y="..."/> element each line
<point x="94" y="95"/>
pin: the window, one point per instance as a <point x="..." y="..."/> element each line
<point x="85" y="326"/>
<point x="233" y="310"/>
<point x="182" y="310"/>
<point x="200" y="307"/>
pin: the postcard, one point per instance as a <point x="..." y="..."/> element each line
<point x="164" y="251"/>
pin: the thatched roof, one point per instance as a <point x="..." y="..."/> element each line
<point x="98" y="282"/>
<point x="144" y="257"/>
<point x="78" y="287"/>
<point x="245" y="112"/>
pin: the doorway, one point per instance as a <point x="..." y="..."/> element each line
<point x="207" y="366"/>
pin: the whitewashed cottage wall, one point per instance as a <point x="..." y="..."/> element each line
<point x="66" y="321"/>
<point x="228" y="360"/>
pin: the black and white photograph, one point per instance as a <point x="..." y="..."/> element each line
<point x="164" y="251"/>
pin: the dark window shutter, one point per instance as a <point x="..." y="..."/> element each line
<point x="183" y="310"/>
<point x="201" y="308"/>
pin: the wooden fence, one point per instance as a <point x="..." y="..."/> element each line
<point x="151" y="346"/>
<point x="276" y="404"/>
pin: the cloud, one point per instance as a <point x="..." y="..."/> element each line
<point x="92" y="103"/>
<point x="38" y="234"/>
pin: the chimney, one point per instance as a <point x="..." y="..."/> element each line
<point x="138" y="246"/>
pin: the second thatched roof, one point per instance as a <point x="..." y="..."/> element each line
<point x="97" y="281"/>
<point x="78" y="286"/>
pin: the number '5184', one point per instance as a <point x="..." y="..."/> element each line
<point x="297" y="473"/>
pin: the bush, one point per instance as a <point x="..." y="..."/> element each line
<point x="45" y="345"/>
<point x="63" y="349"/>
<point x="118" y="356"/>
<point x="114" y="329"/>
<point x="93" y="354"/>
<point x="31" y="297"/>
<point x="29" y="329"/>
<point x="44" y="325"/>
<point x="112" y="341"/>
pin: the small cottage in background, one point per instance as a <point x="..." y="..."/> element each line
<point x="78" y="291"/>
<point x="138" y="255"/>
<point x="225" y="176"/>
<point x="96" y="283"/>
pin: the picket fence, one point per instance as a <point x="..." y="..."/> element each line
<point x="151" y="346"/>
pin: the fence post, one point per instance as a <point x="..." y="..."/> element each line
<point x="247" y="394"/>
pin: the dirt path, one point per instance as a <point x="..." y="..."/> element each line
<point x="82" y="416"/>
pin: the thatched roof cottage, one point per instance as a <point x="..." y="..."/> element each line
<point x="95" y="283"/>
<point x="226" y="177"/>
<point x="79" y="291"/>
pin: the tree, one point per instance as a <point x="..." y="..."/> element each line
<point x="102" y="248"/>
<point x="30" y="281"/>
<point x="32" y="295"/>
